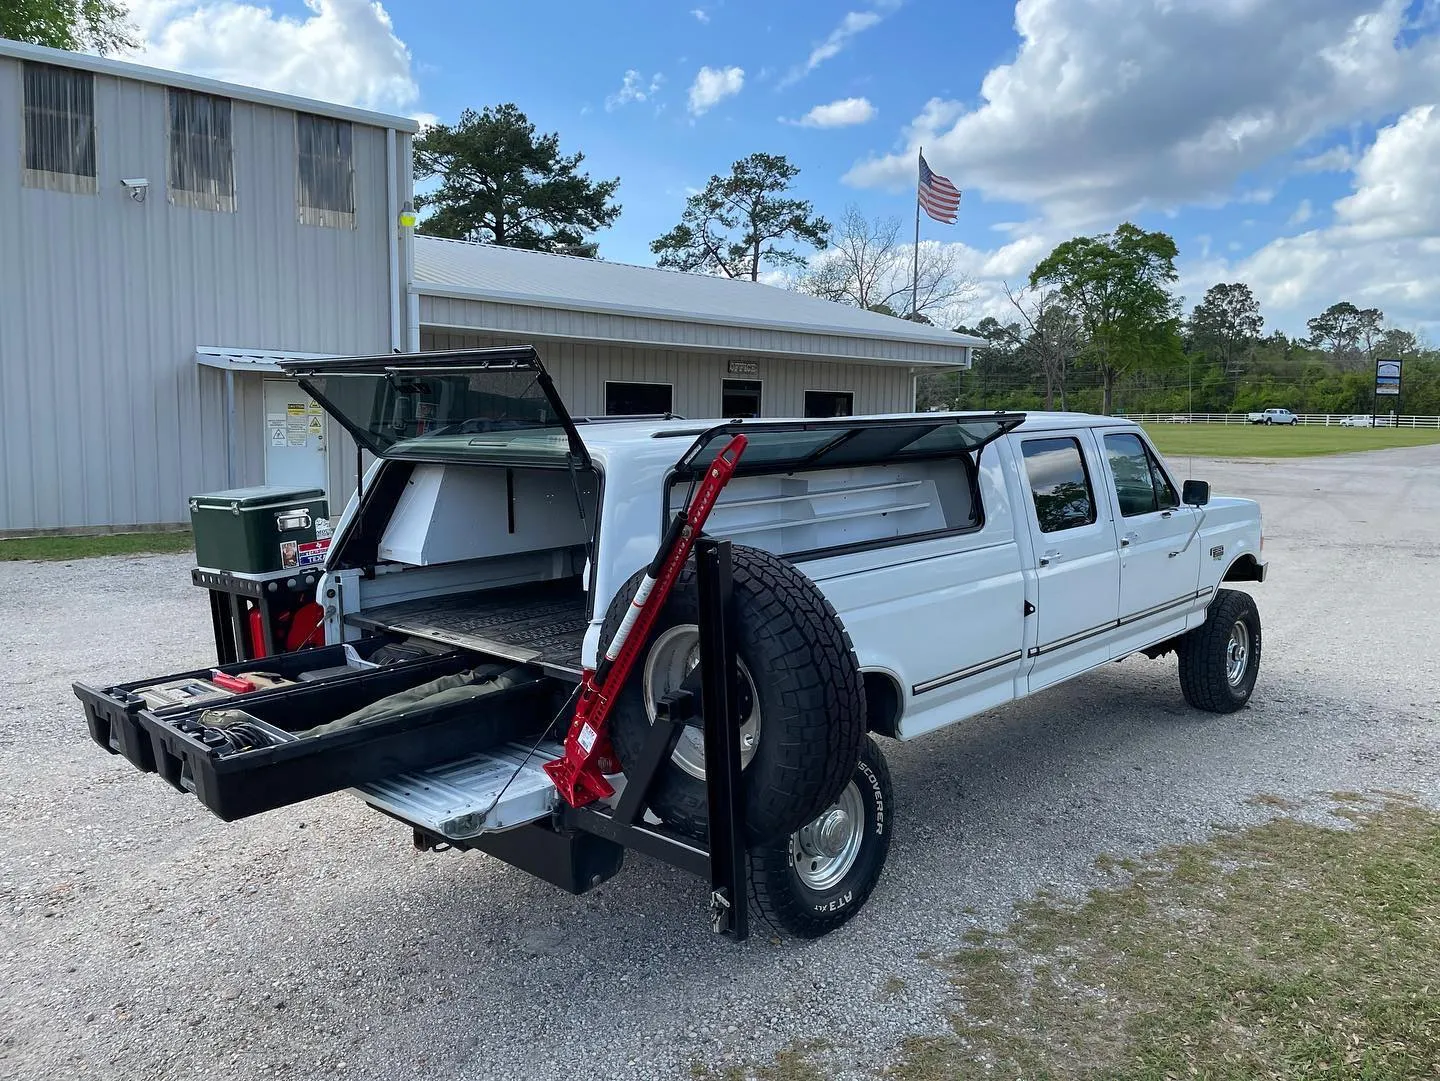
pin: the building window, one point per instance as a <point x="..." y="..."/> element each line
<point x="739" y="398"/>
<point x="1059" y="483"/>
<point x="327" y="172"/>
<point x="829" y="403"/>
<point x="637" y="399"/>
<point x="202" y="151"/>
<point x="59" y="129"/>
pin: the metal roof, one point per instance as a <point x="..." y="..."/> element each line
<point x="120" y="69"/>
<point x="486" y="272"/>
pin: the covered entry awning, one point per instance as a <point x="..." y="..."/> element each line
<point x="253" y="361"/>
<point x="249" y="360"/>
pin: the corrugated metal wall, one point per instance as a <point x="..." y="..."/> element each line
<point x="580" y="371"/>
<point x="105" y="420"/>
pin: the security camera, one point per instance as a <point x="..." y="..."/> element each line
<point x="137" y="187"/>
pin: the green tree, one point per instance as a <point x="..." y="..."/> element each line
<point x="738" y="223"/>
<point x="1226" y="323"/>
<point x="99" y="25"/>
<point x="1117" y="284"/>
<point x="501" y="183"/>
<point x="1348" y="332"/>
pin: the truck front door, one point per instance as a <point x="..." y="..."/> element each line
<point x="1158" y="573"/>
<point x="1077" y="561"/>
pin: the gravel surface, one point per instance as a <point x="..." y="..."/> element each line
<point x="144" y="938"/>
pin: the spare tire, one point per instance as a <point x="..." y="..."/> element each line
<point x="802" y="698"/>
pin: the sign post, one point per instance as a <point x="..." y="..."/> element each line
<point x="1387" y="383"/>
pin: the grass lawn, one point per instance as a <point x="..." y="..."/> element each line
<point x="1259" y="441"/>
<point x="114" y="544"/>
<point x="1286" y="952"/>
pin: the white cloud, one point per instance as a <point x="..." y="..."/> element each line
<point x="1338" y="159"/>
<point x="837" y="114"/>
<point x="701" y="15"/>
<point x="854" y="22"/>
<point x="1383" y="249"/>
<point x="1303" y="213"/>
<point x="634" y="88"/>
<point x="425" y="120"/>
<point x="341" y="51"/>
<point x="714" y="85"/>
<point x="1112" y="108"/>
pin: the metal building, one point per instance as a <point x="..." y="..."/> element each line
<point x="167" y="240"/>
<point x="147" y="214"/>
<point x="621" y="338"/>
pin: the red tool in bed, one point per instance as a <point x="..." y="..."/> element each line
<point x="577" y="774"/>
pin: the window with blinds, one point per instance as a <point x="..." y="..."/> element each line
<point x="326" y="171"/>
<point x="59" y="151"/>
<point x="202" y="151"/>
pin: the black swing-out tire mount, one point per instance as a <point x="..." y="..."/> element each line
<point x="1207" y="677"/>
<point x="781" y="898"/>
<point x="808" y="689"/>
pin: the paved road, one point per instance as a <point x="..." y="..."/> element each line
<point x="141" y="937"/>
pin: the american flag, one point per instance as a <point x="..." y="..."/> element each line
<point x="939" y="197"/>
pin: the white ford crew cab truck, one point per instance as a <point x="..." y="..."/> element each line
<point x="892" y="576"/>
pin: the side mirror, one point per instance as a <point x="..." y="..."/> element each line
<point x="1195" y="493"/>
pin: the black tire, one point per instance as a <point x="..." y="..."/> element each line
<point x="807" y="690"/>
<point x="779" y="895"/>
<point x="1206" y="676"/>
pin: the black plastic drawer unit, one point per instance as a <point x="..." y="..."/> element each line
<point x="112" y="713"/>
<point x="237" y="783"/>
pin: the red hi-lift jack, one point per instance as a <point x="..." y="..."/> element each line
<point x="578" y="774"/>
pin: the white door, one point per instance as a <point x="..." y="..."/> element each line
<point x="1077" y="592"/>
<point x="1158" y="573"/>
<point x="294" y="436"/>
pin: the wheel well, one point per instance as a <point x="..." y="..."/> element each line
<point x="882" y="703"/>
<point x="1244" y="569"/>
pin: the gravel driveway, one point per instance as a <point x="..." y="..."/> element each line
<point x="144" y="938"/>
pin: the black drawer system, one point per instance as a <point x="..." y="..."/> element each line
<point x="237" y="783"/>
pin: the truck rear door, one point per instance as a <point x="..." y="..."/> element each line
<point x="1077" y="560"/>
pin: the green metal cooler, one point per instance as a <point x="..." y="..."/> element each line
<point x="260" y="530"/>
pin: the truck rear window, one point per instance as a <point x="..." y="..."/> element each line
<point x="1059" y="483"/>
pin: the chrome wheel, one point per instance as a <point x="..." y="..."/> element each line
<point x="672" y="658"/>
<point x="824" y="851"/>
<point x="1237" y="653"/>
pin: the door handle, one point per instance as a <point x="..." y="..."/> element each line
<point x="1129" y="539"/>
<point x="1052" y="556"/>
<point x="1165" y="514"/>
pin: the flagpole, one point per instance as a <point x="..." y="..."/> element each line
<point x="915" y="274"/>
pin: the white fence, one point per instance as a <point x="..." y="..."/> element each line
<point x="1323" y="420"/>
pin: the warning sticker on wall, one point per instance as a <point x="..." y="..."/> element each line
<point x="316" y="427"/>
<point x="277" y="435"/>
<point x="295" y="409"/>
<point x="312" y="407"/>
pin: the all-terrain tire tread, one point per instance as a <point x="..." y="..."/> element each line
<point x="1202" y="651"/>
<point x="809" y="757"/>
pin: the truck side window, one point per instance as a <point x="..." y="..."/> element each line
<point x="1134" y="481"/>
<point x="1059" y="483"/>
<point x="1164" y="490"/>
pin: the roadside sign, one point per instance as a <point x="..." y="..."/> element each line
<point x="1387" y="377"/>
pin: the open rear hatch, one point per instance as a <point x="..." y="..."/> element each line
<point x="496" y="405"/>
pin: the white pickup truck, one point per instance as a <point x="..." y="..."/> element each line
<point x="1272" y="416"/>
<point x="893" y="576"/>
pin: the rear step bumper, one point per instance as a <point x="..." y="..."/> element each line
<point x="480" y="793"/>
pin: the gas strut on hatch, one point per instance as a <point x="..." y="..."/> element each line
<point x="577" y="774"/>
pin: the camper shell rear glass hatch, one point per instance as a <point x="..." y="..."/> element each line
<point x="791" y="446"/>
<point x="474" y="405"/>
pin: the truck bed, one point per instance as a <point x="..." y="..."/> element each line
<point x="540" y="623"/>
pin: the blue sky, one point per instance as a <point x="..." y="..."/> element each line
<point x="1292" y="144"/>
